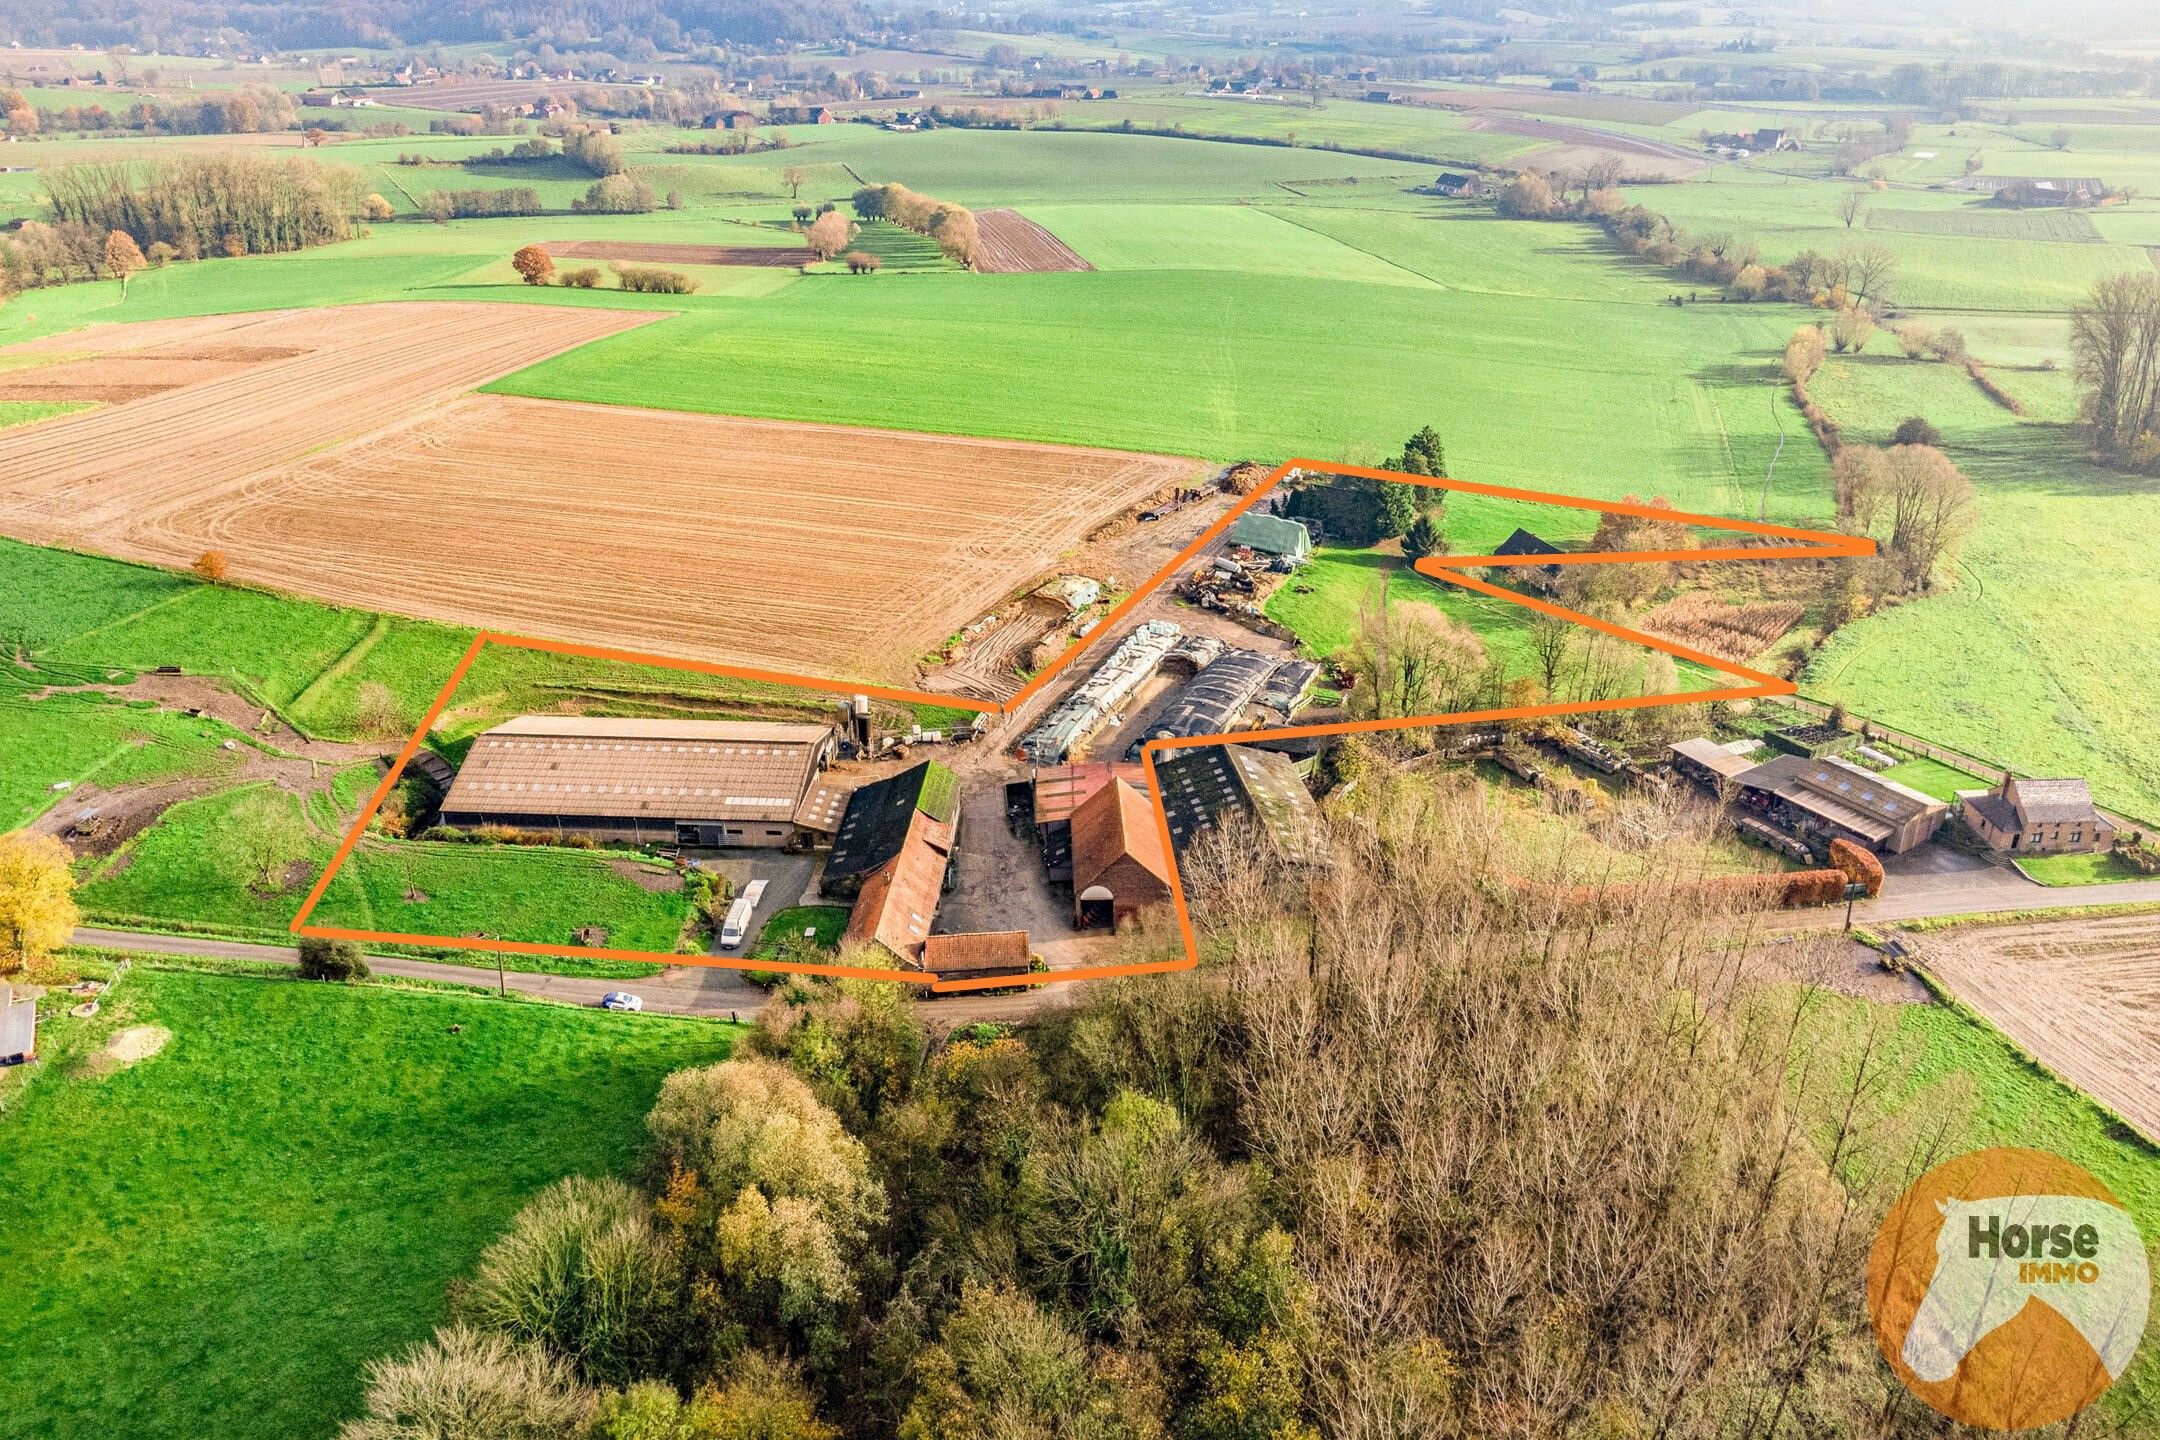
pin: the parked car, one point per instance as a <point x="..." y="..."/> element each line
<point x="621" y="1000"/>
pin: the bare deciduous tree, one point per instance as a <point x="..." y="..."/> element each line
<point x="2115" y="347"/>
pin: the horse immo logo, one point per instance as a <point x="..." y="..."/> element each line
<point x="2009" y="1288"/>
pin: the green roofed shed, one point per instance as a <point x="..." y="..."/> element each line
<point x="878" y="817"/>
<point x="1273" y="535"/>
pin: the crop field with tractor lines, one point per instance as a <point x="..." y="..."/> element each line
<point x="320" y="457"/>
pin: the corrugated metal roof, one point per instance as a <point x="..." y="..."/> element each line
<point x="645" y="728"/>
<point x="664" y="769"/>
<point x="1714" y="757"/>
<point x="1062" y="789"/>
<point x="823" y="806"/>
<point x="1202" y="784"/>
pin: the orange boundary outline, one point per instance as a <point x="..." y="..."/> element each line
<point x="1453" y="569"/>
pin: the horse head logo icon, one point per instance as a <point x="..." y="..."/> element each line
<point x="2009" y="1288"/>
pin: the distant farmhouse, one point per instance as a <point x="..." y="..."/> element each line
<point x="1522" y="542"/>
<point x="1210" y="785"/>
<point x="1452" y="186"/>
<point x="2038" y="192"/>
<point x="2037" y="817"/>
<point x="1815" y="800"/>
<point x="671" y="782"/>
<point x="1767" y="140"/>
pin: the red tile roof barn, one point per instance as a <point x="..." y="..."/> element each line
<point x="899" y="899"/>
<point x="1117" y="844"/>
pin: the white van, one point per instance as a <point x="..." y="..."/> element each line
<point x="737" y="922"/>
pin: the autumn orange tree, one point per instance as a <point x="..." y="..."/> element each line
<point x="123" y="257"/>
<point x="211" y="565"/>
<point x="37" y="898"/>
<point x="829" y="234"/>
<point x="534" y="265"/>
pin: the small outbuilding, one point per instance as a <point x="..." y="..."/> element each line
<point x="1522" y="542"/>
<point x="978" y="955"/>
<point x="1068" y="594"/>
<point x="18" y="1030"/>
<point x="1272" y="535"/>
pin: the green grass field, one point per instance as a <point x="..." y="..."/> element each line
<point x="2099" y="869"/>
<point x="1948" y="1052"/>
<point x="1932" y="777"/>
<point x="2024" y="658"/>
<point x="214" y="1241"/>
<point x="81" y="613"/>
<point x="1688" y="409"/>
<point x="189" y="871"/>
<point x="511" y="892"/>
<point x="72" y="738"/>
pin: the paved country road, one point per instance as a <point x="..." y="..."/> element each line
<point x="702" y="990"/>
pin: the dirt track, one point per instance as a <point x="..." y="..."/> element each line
<point x="1571" y="146"/>
<point x="2081" y="994"/>
<point x="360" y="471"/>
<point x="1012" y="244"/>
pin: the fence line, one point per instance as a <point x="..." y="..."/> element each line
<point x="1987" y="770"/>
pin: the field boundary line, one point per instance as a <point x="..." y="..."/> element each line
<point x="1799" y="543"/>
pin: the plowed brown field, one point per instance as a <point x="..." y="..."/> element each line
<point x="2083" y="995"/>
<point x="361" y="471"/>
<point x="1008" y="243"/>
